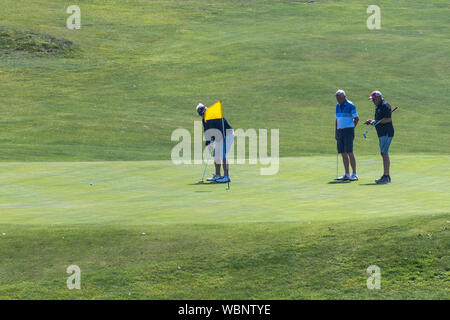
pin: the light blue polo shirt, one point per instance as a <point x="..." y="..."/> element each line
<point x="345" y="114"/>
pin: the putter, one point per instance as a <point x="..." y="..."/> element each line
<point x="228" y="183"/>
<point x="337" y="164"/>
<point x="365" y="133"/>
<point x="206" y="165"/>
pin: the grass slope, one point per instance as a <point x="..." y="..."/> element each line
<point x="289" y="236"/>
<point x="143" y="65"/>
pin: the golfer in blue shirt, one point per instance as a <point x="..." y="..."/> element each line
<point x="346" y="121"/>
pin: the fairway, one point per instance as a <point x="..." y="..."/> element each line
<point x="140" y="67"/>
<point x="146" y="230"/>
<point x="88" y="116"/>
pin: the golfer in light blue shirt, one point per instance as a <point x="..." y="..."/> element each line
<point x="346" y="121"/>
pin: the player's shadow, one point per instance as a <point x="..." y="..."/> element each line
<point x="339" y="182"/>
<point x="202" y="184"/>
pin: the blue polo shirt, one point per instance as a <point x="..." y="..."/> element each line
<point x="345" y="114"/>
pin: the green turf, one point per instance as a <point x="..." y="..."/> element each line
<point x="89" y="105"/>
<point x="144" y="65"/>
<point x="292" y="236"/>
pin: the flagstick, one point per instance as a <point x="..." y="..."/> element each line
<point x="224" y="151"/>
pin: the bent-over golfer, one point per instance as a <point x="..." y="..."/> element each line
<point x="346" y="121"/>
<point x="385" y="131"/>
<point x="217" y="143"/>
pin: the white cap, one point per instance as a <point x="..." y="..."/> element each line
<point x="340" y="92"/>
<point x="200" y="109"/>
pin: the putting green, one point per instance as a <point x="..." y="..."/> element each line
<point x="160" y="192"/>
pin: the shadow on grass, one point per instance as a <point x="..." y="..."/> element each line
<point x="339" y="182"/>
<point x="201" y="183"/>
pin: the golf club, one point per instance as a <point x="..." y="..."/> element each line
<point x="337" y="163"/>
<point x="365" y="133"/>
<point x="228" y="183"/>
<point x="206" y="165"/>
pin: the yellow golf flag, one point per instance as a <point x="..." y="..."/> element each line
<point x="214" y="112"/>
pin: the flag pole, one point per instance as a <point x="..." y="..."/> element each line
<point x="224" y="151"/>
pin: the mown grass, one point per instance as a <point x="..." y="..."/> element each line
<point x="144" y="229"/>
<point x="230" y="261"/>
<point x="275" y="64"/>
<point x="291" y="236"/>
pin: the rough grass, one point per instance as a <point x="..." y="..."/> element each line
<point x="13" y="40"/>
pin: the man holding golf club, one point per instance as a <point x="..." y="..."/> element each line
<point x="346" y="121"/>
<point x="385" y="131"/>
<point x="214" y="141"/>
